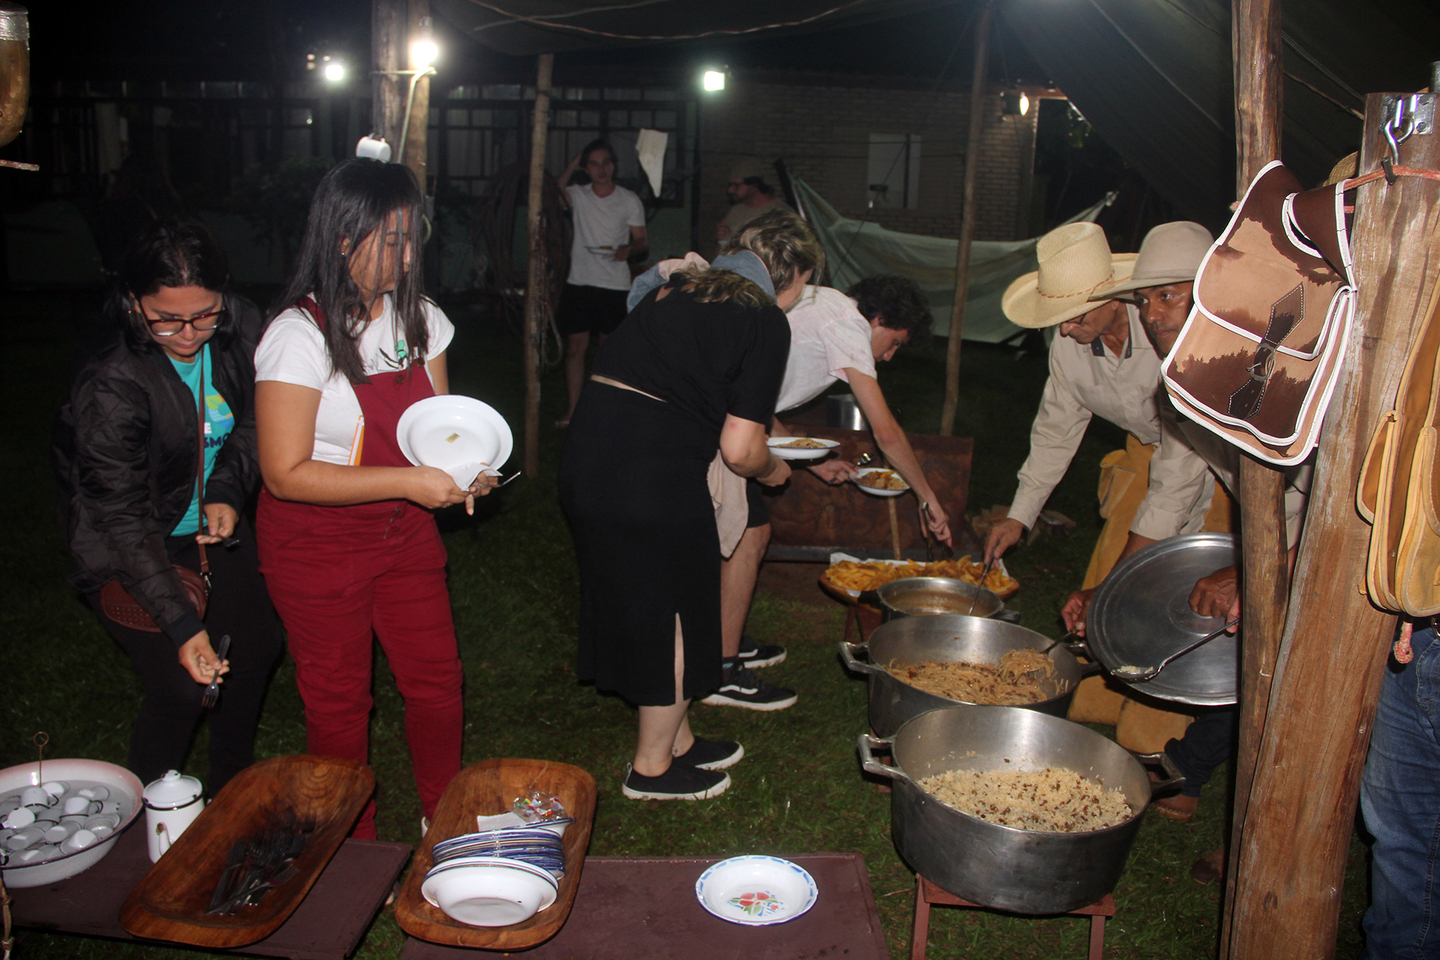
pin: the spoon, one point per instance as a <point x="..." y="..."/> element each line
<point x="1131" y="674"/>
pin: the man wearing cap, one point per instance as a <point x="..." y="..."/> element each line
<point x="1174" y="494"/>
<point x="1101" y="364"/>
<point x="750" y="196"/>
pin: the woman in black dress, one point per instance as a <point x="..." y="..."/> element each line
<point x="696" y="366"/>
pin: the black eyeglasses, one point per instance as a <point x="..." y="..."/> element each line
<point x="168" y="327"/>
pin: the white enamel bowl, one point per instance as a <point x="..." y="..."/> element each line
<point x="756" y="890"/>
<point x="456" y="434"/>
<point x="876" y="491"/>
<point x="777" y="447"/>
<point x="490" y="892"/>
<point x="125" y="789"/>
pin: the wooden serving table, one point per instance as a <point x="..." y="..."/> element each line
<point x="327" y="925"/>
<point x="629" y="907"/>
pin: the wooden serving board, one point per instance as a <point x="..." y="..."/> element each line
<point x="170" y="901"/>
<point x="488" y="788"/>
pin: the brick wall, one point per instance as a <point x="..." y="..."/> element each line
<point x="823" y="133"/>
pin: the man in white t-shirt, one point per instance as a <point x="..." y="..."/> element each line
<point x="609" y="230"/>
<point x="832" y="337"/>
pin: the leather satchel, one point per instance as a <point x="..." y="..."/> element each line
<point x="116" y="601"/>
<point x="1259" y="356"/>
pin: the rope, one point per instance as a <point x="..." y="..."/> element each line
<point x="547" y="22"/>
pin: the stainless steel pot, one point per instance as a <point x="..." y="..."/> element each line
<point x="927" y="596"/>
<point x="947" y="638"/>
<point x="842" y="412"/>
<point x="1005" y="868"/>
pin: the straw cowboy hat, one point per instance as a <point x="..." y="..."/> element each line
<point x="1074" y="261"/>
<point x="1170" y="253"/>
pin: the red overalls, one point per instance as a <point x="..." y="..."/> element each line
<point x="336" y="574"/>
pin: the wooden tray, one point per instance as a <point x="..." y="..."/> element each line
<point x="488" y="788"/>
<point x="170" y="901"/>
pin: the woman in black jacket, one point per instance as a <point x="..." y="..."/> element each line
<point x="126" y="452"/>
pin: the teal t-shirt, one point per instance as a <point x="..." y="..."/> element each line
<point x="219" y="421"/>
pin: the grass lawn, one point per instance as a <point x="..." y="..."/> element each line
<point x="514" y="589"/>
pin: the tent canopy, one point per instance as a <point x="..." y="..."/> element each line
<point x="1154" y="78"/>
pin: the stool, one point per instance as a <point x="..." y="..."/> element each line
<point x="927" y="893"/>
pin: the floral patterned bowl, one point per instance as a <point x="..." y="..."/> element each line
<point x="756" y="890"/>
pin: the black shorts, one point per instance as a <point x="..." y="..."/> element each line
<point x="590" y="309"/>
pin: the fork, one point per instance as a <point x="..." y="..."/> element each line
<point x="211" y="696"/>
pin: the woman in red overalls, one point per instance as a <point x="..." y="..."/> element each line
<point x="348" y="545"/>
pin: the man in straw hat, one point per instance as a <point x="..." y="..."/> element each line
<point x="1101" y="364"/>
<point x="1174" y="496"/>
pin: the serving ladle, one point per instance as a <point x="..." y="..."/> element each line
<point x="1132" y="674"/>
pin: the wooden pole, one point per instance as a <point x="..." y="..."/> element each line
<point x="387" y="42"/>
<point x="1256" y="51"/>
<point x="535" y="278"/>
<point x="967" y="222"/>
<point x="1289" y="872"/>
<point x="418" y="104"/>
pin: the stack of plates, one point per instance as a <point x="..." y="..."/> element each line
<point x="498" y="877"/>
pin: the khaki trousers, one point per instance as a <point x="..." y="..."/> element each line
<point x="1124" y="478"/>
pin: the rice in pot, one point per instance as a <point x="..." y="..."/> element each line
<point x="1052" y="800"/>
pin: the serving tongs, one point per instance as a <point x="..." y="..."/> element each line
<point x="931" y="543"/>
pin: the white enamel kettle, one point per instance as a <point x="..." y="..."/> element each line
<point x="171" y="804"/>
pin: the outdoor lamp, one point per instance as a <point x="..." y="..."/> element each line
<point x="712" y="80"/>
<point x="334" y="70"/>
<point x="423" y="53"/>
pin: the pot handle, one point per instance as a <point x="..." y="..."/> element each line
<point x="1172" y="777"/>
<point x="867" y="743"/>
<point x="847" y="655"/>
<point x="1007" y="616"/>
<point x="869" y="598"/>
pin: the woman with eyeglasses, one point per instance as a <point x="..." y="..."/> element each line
<point x="348" y="542"/>
<point x="128" y="448"/>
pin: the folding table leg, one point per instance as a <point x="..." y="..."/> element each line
<point x="920" y="932"/>
<point x="1097" y="937"/>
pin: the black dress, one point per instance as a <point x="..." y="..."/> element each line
<point x="633" y="484"/>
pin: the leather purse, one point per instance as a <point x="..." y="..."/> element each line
<point x="115" y="600"/>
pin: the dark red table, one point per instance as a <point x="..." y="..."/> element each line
<point x="632" y="907"/>
<point x="327" y="925"/>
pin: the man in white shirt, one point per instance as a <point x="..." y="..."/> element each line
<point x="832" y="337"/>
<point x="609" y="230"/>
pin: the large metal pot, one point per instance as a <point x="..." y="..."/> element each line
<point x="1006" y="868"/>
<point x="842" y="412"/>
<point x="945" y="638"/>
<point x="929" y="596"/>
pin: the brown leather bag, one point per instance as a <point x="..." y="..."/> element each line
<point x="116" y="601"/>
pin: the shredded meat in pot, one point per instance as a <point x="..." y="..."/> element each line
<point x="1014" y="680"/>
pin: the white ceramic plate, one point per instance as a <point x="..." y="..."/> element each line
<point x="460" y="435"/>
<point x="756" y="890"/>
<point x="777" y="447"/>
<point x="875" y="491"/>
<point x="493" y="893"/>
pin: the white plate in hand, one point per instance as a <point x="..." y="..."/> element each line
<point x="460" y="435"/>
<point x="860" y="476"/>
<point x="778" y="447"/>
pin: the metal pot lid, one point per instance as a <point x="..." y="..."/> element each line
<point x="1141" y="614"/>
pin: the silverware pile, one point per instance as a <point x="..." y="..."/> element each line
<point x="258" y="865"/>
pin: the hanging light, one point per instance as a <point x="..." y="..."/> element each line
<point x="713" y="80"/>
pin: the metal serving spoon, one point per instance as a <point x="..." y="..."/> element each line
<point x="1131" y="674"/>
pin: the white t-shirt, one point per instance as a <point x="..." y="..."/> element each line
<point x="601" y="223"/>
<point x="827" y="334"/>
<point x="293" y="351"/>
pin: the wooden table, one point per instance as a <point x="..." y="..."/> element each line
<point x="629" y="907"/>
<point x="327" y="925"/>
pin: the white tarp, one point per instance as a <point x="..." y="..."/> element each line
<point x="856" y="249"/>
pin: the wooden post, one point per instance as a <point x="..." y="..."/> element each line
<point x="1256" y="51"/>
<point x="535" y="279"/>
<point x="967" y="222"/>
<point x="1291" y="862"/>
<point x="387" y="41"/>
<point x="418" y="105"/>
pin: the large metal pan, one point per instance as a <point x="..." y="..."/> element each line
<point x="946" y="638"/>
<point x="928" y="596"/>
<point x="1006" y="868"/>
<point x="1141" y="614"/>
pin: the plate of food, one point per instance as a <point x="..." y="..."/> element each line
<point x="852" y="576"/>
<point x="801" y="448"/>
<point x="880" y="481"/>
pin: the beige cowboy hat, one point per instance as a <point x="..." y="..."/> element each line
<point x="1170" y="253"/>
<point x="1074" y="260"/>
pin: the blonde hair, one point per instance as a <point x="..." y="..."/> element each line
<point x="783" y="242"/>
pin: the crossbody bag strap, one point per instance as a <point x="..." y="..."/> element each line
<point x="200" y="464"/>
